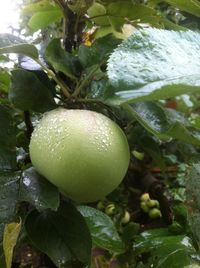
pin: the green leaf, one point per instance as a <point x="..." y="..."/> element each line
<point x="189" y="6"/>
<point x="60" y="59"/>
<point x="11" y="233"/>
<point x="98" y="11"/>
<point x="25" y="49"/>
<point x="29" y="93"/>
<point x="165" y="250"/>
<point x="102" y="229"/>
<point x="43" y="5"/>
<point x="159" y="122"/>
<point x="4" y="81"/>
<point x="7" y="140"/>
<point x="98" y="52"/>
<point x="9" y="187"/>
<point x="150" y="146"/>
<point x="154" y="64"/>
<point x="62" y="235"/>
<point x="193" y="198"/>
<point x="36" y="190"/>
<point x="121" y="12"/>
<point x="41" y="20"/>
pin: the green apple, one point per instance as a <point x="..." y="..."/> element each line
<point x="84" y="153"/>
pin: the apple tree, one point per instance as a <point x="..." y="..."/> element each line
<point x="137" y="63"/>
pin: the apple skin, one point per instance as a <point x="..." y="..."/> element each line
<point x="84" y="153"/>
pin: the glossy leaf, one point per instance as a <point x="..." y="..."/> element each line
<point x="154" y="64"/>
<point x="11" y="233"/>
<point x="158" y="121"/>
<point x="9" y="187"/>
<point x="102" y="229"/>
<point x="36" y="190"/>
<point x="29" y="93"/>
<point x="7" y="140"/>
<point x="165" y="250"/>
<point x="62" y="235"/>
<point x="193" y="198"/>
<point x="60" y="59"/>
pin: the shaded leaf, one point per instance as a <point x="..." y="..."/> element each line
<point x="154" y="64"/>
<point x="102" y="229"/>
<point x="193" y="198"/>
<point x="11" y="233"/>
<point x="29" y="93"/>
<point x="60" y="59"/>
<point x="36" y="190"/>
<point x="4" y="81"/>
<point x="7" y="140"/>
<point x="98" y="52"/>
<point x="165" y="250"/>
<point x="62" y="235"/>
<point x="157" y="121"/>
<point x="9" y="187"/>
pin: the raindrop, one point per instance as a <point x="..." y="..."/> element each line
<point x="26" y="181"/>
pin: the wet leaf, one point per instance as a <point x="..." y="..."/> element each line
<point x="9" y="187"/>
<point x="163" y="123"/>
<point x="164" y="249"/>
<point x="154" y="64"/>
<point x="102" y="229"/>
<point x="36" y="190"/>
<point x="62" y="235"/>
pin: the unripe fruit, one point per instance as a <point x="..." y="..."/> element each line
<point x="153" y="203"/>
<point x="145" y="197"/>
<point x="84" y="153"/>
<point x="126" y="218"/>
<point x="154" y="213"/>
<point x="110" y="209"/>
<point x="144" y="206"/>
